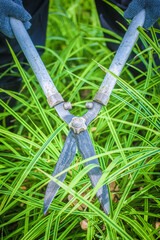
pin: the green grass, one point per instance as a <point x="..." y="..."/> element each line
<point x="125" y="135"/>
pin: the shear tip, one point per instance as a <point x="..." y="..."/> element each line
<point x="45" y="208"/>
<point x="106" y="211"/>
<point x="104" y="200"/>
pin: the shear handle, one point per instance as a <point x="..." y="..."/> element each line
<point x="123" y="52"/>
<point x="30" y="52"/>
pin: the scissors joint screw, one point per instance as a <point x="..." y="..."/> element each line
<point x="78" y="124"/>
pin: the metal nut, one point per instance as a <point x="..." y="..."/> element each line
<point x="89" y="105"/>
<point x="78" y="124"/>
<point x="67" y="106"/>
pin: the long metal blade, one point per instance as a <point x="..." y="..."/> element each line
<point x="65" y="159"/>
<point x="86" y="149"/>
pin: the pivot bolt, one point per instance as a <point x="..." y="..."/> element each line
<point x="78" y="124"/>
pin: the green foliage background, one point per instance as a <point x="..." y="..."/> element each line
<point x="125" y="135"/>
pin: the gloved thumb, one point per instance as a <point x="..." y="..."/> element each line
<point x="27" y="25"/>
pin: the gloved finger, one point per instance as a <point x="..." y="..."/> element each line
<point x="18" y="12"/>
<point x="148" y="20"/>
<point x="27" y="25"/>
<point x="133" y="9"/>
<point x="18" y="2"/>
<point x="7" y="31"/>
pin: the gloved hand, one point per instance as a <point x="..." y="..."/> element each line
<point x="12" y="8"/>
<point x="152" y="8"/>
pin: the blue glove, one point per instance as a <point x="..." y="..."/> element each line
<point x="152" y="8"/>
<point x="12" y="8"/>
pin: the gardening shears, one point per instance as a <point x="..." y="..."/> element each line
<point x="78" y="136"/>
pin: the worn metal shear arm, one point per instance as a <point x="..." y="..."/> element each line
<point x="78" y="135"/>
